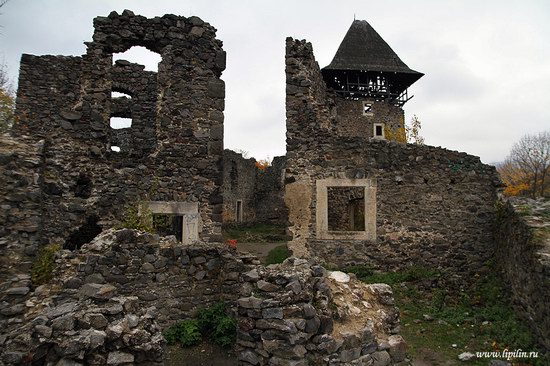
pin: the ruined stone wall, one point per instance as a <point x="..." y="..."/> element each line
<point x="270" y="205"/>
<point x="352" y="122"/>
<point x="21" y="219"/>
<point x="172" y="151"/>
<point x="109" y="296"/>
<point x="434" y="207"/>
<point x="47" y="87"/>
<point x="109" y="300"/>
<point x="522" y="254"/>
<point x="296" y="314"/>
<point x="261" y="191"/>
<point x="239" y="184"/>
<point x="139" y="139"/>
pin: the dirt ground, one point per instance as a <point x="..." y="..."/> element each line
<point x="204" y="354"/>
<point x="258" y="249"/>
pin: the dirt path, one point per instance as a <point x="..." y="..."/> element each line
<point x="258" y="249"/>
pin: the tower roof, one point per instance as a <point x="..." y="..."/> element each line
<point x="364" y="49"/>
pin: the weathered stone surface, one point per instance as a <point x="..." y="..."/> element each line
<point x="266" y="286"/>
<point x="381" y="358"/>
<point x="398" y="348"/>
<point x="117" y="358"/>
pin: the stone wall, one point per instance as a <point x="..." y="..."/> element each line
<point x="260" y="191"/>
<point x="109" y="300"/>
<point x="172" y="151"/>
<point x="351" y="120"/>
<point x="433" y="207"/>
<point x="239" y="184"/>
<point x="523" y="256"/>
<point x="121" y="276"/>
<point x="296" y="314"/>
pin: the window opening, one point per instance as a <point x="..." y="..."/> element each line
<point x="166" y="225"/>
<point x="346" y="208"/>
<point x="140" y="55"/>
<point x="239" y="211"/>
<point x="367" y="108"/>
<point x="379" y="130"/>
<point x="83" y="186"/>
<point x="117" y="123"/>
<point x="115" y="148"/>
<point x="116" y="94"/>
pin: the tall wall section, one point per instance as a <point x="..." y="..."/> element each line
<point x="173" y="149"/>
<point x="354" y="121"/>
<point x="523" y="255"/>
<point x="259" y="191"/>
<point x="423" y="205"/>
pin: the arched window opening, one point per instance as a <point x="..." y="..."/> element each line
<point x="140" y="55"/>
<point x="117" y="94"/>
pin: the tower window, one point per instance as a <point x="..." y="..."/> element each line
<point x="367" y="108"/>
<point x="379" y="131"/>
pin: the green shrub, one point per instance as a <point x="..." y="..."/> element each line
<point x="138" y="217"/>
<point x="186" y="333"/>
<point x="44" y="264"/>
<point x="217" y="325"/>
<point x="277" y="255"/>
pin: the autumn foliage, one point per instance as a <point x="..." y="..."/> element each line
<point x="408" y="134"/>
<point x="263" y="164"/>
<point x="526" y="170"/>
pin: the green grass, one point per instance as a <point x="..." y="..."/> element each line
<point x="43" y="265"/>
<point x="212" y="323"/>
<point x="480" y="319"/>
<point x="255" y="233"/>
<point x="277" y="255"/>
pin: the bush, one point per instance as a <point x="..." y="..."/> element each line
<point x="185" y="332"/>
<point x="44" y="265"/>
<point x="215" y="323"/>
<point x="137" y="219"/>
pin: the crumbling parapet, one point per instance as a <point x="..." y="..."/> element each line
<point x="298" y="314"/>
<point x="522" y="255"/>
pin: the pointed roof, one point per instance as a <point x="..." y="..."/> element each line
<point x="364" y="49"/>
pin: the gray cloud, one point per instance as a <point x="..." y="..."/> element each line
<point x="486" y="63"/>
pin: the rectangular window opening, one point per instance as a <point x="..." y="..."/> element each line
<point x="367" y="108"/>
<point x="346" y="208"/>
<point x="239" y="211"/>
<point x="379" y="131"/>
<point x="165" y="225"/>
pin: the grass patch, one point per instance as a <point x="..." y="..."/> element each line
<point x="255" y="233"/>
<point x="217" y="325"/>
<point x="366" y="274"/>
<point x="440" y="323"/>
<point x="44" y="265"/>
<point x="212" y="323"/>
<point x="277" y="255"/>
<point x="185" y="332"/>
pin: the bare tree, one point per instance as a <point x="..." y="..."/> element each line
<point x="7" y="100"/>
<point x="532" y="155"/>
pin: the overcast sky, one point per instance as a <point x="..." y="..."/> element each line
<point x="487" y="63"/>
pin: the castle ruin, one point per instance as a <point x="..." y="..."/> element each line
<point x="349" y="195"/>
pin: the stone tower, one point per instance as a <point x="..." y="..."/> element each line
<point x="371" y="83"/>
